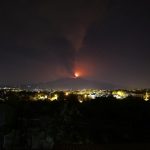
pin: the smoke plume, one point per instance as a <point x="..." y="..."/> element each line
<point x="50" y="31"/>
<point x="72" y="20"/>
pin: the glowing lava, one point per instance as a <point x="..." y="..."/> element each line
<point x="76" y="75"/>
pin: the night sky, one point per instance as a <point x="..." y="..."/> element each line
<point x="102" y="40"/>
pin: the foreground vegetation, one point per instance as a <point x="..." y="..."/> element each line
<point x="43" y="124"/>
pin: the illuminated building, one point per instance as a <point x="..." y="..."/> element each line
<point x="55" y="97"/>
<point x="119" y="94"/>
<point x="146" y="97"/>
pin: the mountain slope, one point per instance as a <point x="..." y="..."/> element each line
<point x="74" y="84"/>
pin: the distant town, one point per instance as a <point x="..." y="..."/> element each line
<point x="82" y="95"/>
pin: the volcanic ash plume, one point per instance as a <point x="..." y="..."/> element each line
<point x="71" y="20"/>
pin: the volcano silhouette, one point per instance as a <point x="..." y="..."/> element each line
<point x="74" y="84"/>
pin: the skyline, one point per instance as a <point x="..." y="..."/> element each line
<point x="101" y="40"/>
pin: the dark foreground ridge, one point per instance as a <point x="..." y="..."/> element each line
<point x="68" y="124"/>
<point x="103" y="147"/>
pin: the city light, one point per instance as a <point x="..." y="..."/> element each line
<point x="55" y="97"/>
<point x="67" y="93"/>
